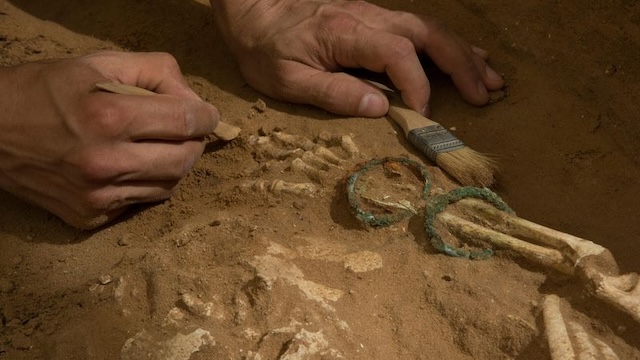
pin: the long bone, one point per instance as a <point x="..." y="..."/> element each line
<point x="560" y="333"/>
<point x="567" y="253"/>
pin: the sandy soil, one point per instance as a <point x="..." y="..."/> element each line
<point x="242" y="273"/>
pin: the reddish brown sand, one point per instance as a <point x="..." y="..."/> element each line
<point x="282" y="271"/>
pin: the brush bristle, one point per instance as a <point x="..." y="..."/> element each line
<point x="468" y="166"/>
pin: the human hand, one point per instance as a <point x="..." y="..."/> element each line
<point x="295" y="50"/>
<point x="86" y="155"/>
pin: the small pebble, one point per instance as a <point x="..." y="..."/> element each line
<point x="621" y="329"/>
<point x="299" y="205"/>
<point x="124" y="240"/>
<point x="105" y="279"/>
<point x="260" y="106"/>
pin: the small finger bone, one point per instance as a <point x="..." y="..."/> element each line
<point x="329" y="138"/>
<point x="271" y="152"/>
<point x="328" y="155"/>
<point x="314" y="160"/>
<point x="345" y="141"/>
<point x="311" y="172"/>
<point x="349" y="146"/>
<point x="294" y="188"/>
<point x="281" y="186"/>
<point x="295" y="141"/>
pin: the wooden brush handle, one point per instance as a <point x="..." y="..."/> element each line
<point x="223" y="131"/>
<point x="408" y="119"/>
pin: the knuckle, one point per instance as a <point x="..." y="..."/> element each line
<point x="92" y="167"/>
<point x="186" y="119"/>
<point x="97" y="201"/>
<point x="361" y="7"/>
<point x="436" y="28"/>
<point x="105" y="119"/>
<point x="335" y="18"/>
<point x="168" y="63"/>
<point x="282" y="87"/>
<point x="195" y="119"/>
<point x="401" y="49"/>
<point x="340" y="22"/>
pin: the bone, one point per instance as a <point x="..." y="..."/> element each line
<point x="468" y="230"/>
<point x="621" y="292"/>
<point x="281" y="186"/>
<point x="588" y="347"/>
<point x="568" y="254"/>
<point x="295" y="141"/>
<point x="329" y="156"/>
<point x="311" y="172"/>
<point x="560" y="333"/>
<point x="572" y="246"/>
<point x="556" y="330"/>
<point x="315" y="161"/>
<point x="346" y="142"/>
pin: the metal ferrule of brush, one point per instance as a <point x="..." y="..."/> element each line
<point x="433" y="140"/>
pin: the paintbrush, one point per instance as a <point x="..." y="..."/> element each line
<point x="466" y="165"/>
<point x="223" y="131"/>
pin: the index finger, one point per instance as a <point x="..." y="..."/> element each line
<point x="157" y="117"/>
<point x="395" y="55"/>
<point x="156" y="71"/>
<point x="467" y="65"/>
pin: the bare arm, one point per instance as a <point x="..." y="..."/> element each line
<point x="85" y="155"/>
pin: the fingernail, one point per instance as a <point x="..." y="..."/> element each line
<point x="372" y="105"/>
<point x="492" y="75"/>
<point x="426" y="110"/>
<point x="188" y="164"/>
<point x="480" y="51"/>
